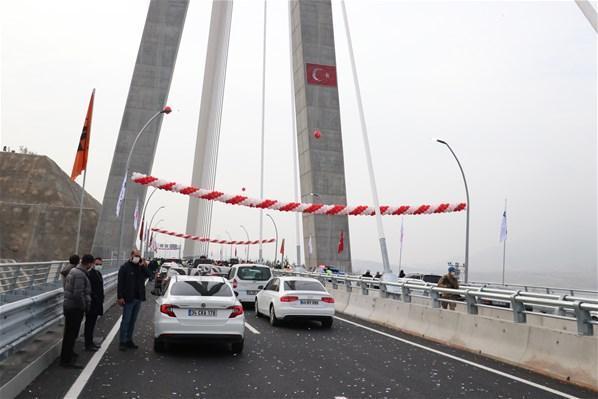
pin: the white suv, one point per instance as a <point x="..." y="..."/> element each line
<point x="202" y="308"/>
<point x="248" y="279"/>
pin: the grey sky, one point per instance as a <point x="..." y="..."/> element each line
<point x="510" y="85"/>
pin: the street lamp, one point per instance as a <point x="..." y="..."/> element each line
<point x="121" y="206"/>
<point x="143" y="215"/>
<point x="154" y="215"/>
<point x="466" y="268"/>
<point x="276" y="230"/>
<point x="247" y="251"/>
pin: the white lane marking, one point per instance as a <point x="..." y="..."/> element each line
<point x="251" y="328"/>
<point x="80" y="382"/>
<point x="459" y="359"/>
<point x="85" y="375"/>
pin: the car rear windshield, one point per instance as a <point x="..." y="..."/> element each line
<point x="254" y="273"/>
<point x="200" y="288"/>
<point x="302" y="285"/>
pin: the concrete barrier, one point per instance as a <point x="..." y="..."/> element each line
<point x="550" y="346"/>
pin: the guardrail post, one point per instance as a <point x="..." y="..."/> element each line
<point x="348" y="285"/>
<point x="334" y="283"/>
<point x="472" y="303"/>
<point x="518" y="308"/>
<point x="583" y="320"/>
<point x="364" y="288"/>
<point x="383" y="290"/>
<point x="405" y="294"/>
<point x="434" y="298"/>
<point x="560" y="310"/>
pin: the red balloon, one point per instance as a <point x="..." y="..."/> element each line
<point x="317" y="133"/>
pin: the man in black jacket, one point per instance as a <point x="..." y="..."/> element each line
<point x="97" y="304"/>
<point x="130" y="294"/>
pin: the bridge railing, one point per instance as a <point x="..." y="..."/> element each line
<point x="582" y="310"/>
<point x="21" y="280"/>
<point x="25" y="318"/>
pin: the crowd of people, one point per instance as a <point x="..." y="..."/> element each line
<point x="84" y="299"/>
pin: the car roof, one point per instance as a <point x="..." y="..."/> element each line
<point x="250" y="265"/>
<point x="181" y="277"/>
<point x="286" y="278"/>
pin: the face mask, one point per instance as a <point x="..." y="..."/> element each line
<point x="136" y="259"/>
<point x="99" y="267"/>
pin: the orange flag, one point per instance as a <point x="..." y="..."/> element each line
<point x="81" y="158"/>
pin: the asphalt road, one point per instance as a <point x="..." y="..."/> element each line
<point x="299" y="360"/>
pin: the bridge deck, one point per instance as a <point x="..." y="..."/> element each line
<point x="299" y="360"/>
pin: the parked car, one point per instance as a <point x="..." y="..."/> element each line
<point x="285" y="298"/>
<point x="198" y="308"/>
<point x="248" y="279"/>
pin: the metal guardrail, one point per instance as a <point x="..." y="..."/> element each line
<point x="25" y="318"/>
<point x="24" y="276"/>
<point x="583" y="311"/>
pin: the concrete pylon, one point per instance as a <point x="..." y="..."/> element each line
<point x="199" y="217"/>
<point x="321" y="163"/>
<point x="147" y="95"/>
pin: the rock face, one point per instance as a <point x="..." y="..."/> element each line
<point x="39" y="210"/>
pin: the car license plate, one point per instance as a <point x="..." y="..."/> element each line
<point x="251" y="292"/>
<point x="202" y="312"/>
<point x="309" y="301"/>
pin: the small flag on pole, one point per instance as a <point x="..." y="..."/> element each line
<point x="121" y="196"/>
<point x="402" y="231"/>
<point x="141" y="230"/>
<point x="83" y="149"/>
<point x="309" y="247"/>
<point x="282" y="248"/>
<point x="136" y="216"/>
<point x="341" y="243"/>
<point x="503" y="227"/>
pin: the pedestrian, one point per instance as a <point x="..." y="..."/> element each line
<point x="367" y="274"/>
<point x="378" y="275"/>
<point x="77" y="299"/>
<point x="402" y="274"/>
<point x="449" y="280"/>
<point x="96" y="308"/>
<point x="73" y="262"/>
<point x="130" y="294"/>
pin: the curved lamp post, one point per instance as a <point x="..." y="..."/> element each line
<point x="276" y="230"/>
<point x="121" y="207"/>
<point x="143" y="215"/>
<point x="466" y="268"/>
<point x="247" y="251"/>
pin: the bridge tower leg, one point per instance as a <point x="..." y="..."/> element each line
<point x="321" y="163"/>
<point x="147" y="95"/>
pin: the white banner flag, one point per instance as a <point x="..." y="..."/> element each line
<point x="136" y="216"/>
<point x="121" y="196"/>
<point x="503" y="227"/>
<point x="309" y="248"/>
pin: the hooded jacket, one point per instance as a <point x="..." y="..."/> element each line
<point x="77" y="290"/>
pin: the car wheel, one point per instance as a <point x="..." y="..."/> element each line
<point x="327" y="323"/>
<point x="237" y="347"/>
<point x="273" y="320"/>
<point x="257" y="311"/>
<point x="159" y="345"/>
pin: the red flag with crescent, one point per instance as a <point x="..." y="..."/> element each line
<point x="323" y="75"/>
<point x="81" y="157"/>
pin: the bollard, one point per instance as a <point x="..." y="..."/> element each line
<point x="519" y="315"/>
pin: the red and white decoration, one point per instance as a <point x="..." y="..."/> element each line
<point x="212" y="240"/>
<point x="316" y="209"/>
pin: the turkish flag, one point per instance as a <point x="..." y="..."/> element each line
<point x="341" y="243"/>
<point x="83" y="148"/>
<point x="282" y="248"/>
<point x="323" y="75"/>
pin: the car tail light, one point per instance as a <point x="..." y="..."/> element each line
<point x="237" y="310"/>
<point x="328" y="299"/>
<point x="234" y="283"/>
<point x="168" y="309"/>
<point x="289" y="298"/>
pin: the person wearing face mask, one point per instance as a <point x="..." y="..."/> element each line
<point x="130" y="294"/>
<point x="449" y="280"/>
<point x="97" y="304"/>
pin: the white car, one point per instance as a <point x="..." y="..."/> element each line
<point x="202" y="308"/>
<point x="290" y="297"/>
<point x="248" y="279"/>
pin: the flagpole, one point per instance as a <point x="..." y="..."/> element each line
<point x="401" y="247"/>
<point x="80" y="211"/>
<point x="504" y="251"/>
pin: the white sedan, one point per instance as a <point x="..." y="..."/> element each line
<point x="285" y="298"/>
<point x="198" y="308"/>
